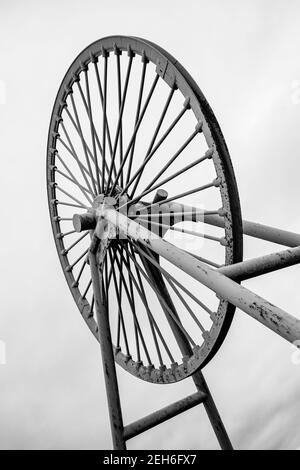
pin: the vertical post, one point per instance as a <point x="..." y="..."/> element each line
<point x="108" y="361"/>
<point x="212" y="412"/>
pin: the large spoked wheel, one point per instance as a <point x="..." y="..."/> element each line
<point x="128" y="121"/>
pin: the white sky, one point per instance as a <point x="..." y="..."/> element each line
<point x="245" y="58"/>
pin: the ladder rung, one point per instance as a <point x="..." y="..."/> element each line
<point x="163" y="414"/>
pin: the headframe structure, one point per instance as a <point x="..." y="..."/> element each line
<point x="133" y="283"/>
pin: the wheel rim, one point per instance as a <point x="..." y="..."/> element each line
<point x="92" y="150"/>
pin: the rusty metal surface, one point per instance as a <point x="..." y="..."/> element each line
<point x="263" y="232"/>
<point x="107" y="354"/>
<point x="257" y="307"/>
<point x="262" y="265"/>
<point x="120" y="433"/>
<point x="192" y="359"/>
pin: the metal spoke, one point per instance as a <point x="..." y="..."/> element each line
<point x="118" y="290"/>
<point x="159" y="143"/>
<point x="72" y="152"/>
<point x="120" y="119"/>
<point x="87" y="288"/>
<point x="63" y="235"/>
<point x="101" y="98"/>
<point x="166" y="307"/>
<point x="63" y="203"/>
<point x="104" y="125"/>
<point x="87" y="151"/>
<point x="117" y="52"/>
<point x="82" y="188"/>
<point x="66" y="250"/>
<point x="172" y="214"/>
<point x="215" y="183"/>
<point x="56" y="186"/>
<point x="83" y="142"/>
<point x="145" y="62"/>
<point x="136" y="329"/>
<point x="165" y="109"/>
<point x="72" y="175"/>
<point x="153" y="325"/>
<point x="185" y="304"/>
<point x="132" y="305"/>
<point x="166" y="274"/>
<point x="136" y="128"/>
<point x="109" y="276"/>
<point x="176" y="155"/>
<point x="91" y="313"/>
<point x="70" y="267"/>
<point x="87" y="111"/>
<point x="184" y="230"/>
<point x="92" y="128"/>
<point x="151" y="188"/>
<point x="120" y="307"/>
<point x="58" y="219"/>
<point x="76" y="282"/>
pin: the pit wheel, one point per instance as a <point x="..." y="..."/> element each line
<point x="129" y="122"/>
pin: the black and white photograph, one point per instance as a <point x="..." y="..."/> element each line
<point x="150" y="235"/>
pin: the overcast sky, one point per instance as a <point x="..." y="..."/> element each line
<point x="245" y="58"/>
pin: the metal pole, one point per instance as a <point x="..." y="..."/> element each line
<point x="184" y="212"/>
<point x="212" y="412"/>
<point x="162" y="415"/>
<point x="268" y="314"/>
<point x="252" y="229"/>
<point x="261" y="265"/>
<point x="108" y="361"/>
<point x="264" y="232"/>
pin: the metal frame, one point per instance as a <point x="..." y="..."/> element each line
<point x="222" y="281"/>
<point x="96" y="179"/>
<point x="121" y="434"/>
<point x="203" y="127"/>
<point x="271" y="316"/>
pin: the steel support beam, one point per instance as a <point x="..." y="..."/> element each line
<point x="263" y="232"/>
<point x="108" y="360"/>
<point x="257" y="307"/>
<point x="163" y="414"/>
<point x="252" y="229"/>
<point x="212" y="412"/>
<point x="261" y="265"/>
<point x="204" y="395"/>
